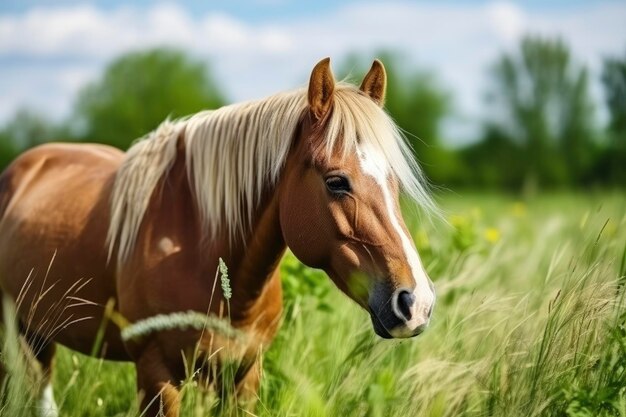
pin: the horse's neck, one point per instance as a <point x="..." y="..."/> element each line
<point x="252" y="258"/>
<point x="256" y="262"/>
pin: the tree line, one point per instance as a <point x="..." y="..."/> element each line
<point x="540" y="128"/>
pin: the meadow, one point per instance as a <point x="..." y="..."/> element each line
<point x="530" y="321"/>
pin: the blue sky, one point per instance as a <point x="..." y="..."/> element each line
<point x="50" y="49"/>
<point x="260" y="10"/>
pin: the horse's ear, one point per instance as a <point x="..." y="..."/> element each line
<point x="321" y="87"/>
<point x="375" y="83"/>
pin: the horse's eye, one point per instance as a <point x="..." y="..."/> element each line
<point x="338" y="184"/>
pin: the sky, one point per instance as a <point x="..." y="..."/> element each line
<point x="50" y="49"/>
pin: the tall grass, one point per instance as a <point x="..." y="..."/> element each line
<point x="18" y="390"/>
<point x="530" y="320"/>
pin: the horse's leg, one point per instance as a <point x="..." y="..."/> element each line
<point x="156" y="385"/>
<point x="46" y="359"/>
<point x="37" y="351"/>
<point x="43" y="352"/>
<point x="247" y="388"/>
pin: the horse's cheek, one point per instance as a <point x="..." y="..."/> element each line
<point x="304" y="229"/>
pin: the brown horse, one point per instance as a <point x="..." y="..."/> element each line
<point x="318" y="170"/>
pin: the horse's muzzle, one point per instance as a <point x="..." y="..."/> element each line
<point x="398" y="314"/>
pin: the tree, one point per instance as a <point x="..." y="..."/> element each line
<point x="614" y="81"/>
<point x="141" y="89"/>
<point x="25" y="130"/>
<point x="418" y="104"/>
<point x="7" y="150"/>
<point x="493" y="162"/>
<point x="539" y="100"/>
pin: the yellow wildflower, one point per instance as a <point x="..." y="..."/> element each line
<point x="492" y="235"/>
<point x="458" y="221"/>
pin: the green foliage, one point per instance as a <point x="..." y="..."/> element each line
<point x="489" y="158"/>
<point x="614" y="79"/>
<point x="25" y="130"/>
<point x="540" y="131"/>
<point x="541" y="115"/>
<point x="7" y="149"/>
<point x="139" y="90"/>
<point x="304" y="284"/>
<point x="605" y="394"/>
<point x="94" y="387"/>
<point x="28" y="129"/>
<point x="613" y="161"/>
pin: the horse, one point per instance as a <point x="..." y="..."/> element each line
<point x="318" y="170"/>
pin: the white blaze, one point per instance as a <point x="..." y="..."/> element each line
<point x="374" y="164"/>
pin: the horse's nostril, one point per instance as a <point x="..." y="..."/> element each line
<point x="405" y="302"/>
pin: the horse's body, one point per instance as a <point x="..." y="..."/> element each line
<point x="71" y="242"/>
<point x="81" y="225"/>
<point x="53" y="200"/>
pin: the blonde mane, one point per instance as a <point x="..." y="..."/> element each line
<point x="234" y="152"/>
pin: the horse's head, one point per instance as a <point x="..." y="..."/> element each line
<point x="339" y="202"/>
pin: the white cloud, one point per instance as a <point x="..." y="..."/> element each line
<point x="507" y="19"/>
<point x="252" y="60"/>
<point x="48" y="91"/>
<point x="223" y="33"/>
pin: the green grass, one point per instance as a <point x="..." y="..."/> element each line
<point x="529" y="321"/>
